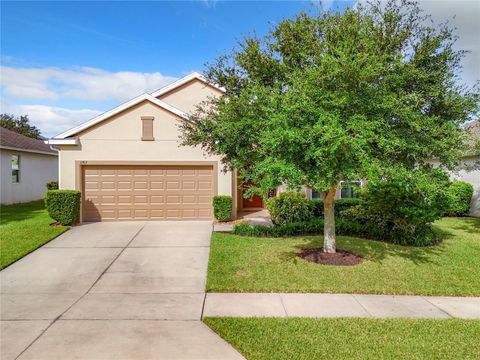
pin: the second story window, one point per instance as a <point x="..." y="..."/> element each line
<point x="15" y="169"/>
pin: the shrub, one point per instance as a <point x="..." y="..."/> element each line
<point x="222" y="207"/>
<point x="52" y="185"/>
<point x="289" y="207"/>
<point x="63" y="205"/>
<point x="460" y="194"/>
<point x="340" y="206"/>
<point x="402" y="208"/>
<point x="310" y="227"/>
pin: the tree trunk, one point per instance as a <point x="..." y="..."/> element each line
<point x="329" y="243"/>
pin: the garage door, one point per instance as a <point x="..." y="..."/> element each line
<point x="147" y="192"/>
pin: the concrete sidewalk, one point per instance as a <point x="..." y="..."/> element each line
<point x="340" y="305"/>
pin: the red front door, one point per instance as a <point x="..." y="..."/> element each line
<point x="254" y="202"/>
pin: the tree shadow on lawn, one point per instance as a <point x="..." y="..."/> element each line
<point x="376" y="251"/>
<point x="468" y="224"/>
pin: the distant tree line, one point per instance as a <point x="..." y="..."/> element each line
<point x="20" y="124"/>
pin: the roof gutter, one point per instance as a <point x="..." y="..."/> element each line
<point x="28" y="150"/>
<point x="67" y="141"/>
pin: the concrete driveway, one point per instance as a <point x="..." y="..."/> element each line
<point x="114" y="290"/>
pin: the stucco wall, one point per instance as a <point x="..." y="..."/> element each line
<point x="189" y="95"/>
<point x="35" y="171"/>
<point x="119" y="139"/>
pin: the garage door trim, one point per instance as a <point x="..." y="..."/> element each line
<point x="79" y="171"/>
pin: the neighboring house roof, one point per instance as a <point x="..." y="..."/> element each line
<point x="473" y="129"/>
<point x="65" y="138"/>
<point x="11" y="140"/>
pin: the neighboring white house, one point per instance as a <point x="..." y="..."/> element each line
<point x="469" y="170"/>
<point x="26" y="166"/>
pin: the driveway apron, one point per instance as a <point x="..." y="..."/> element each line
<point x="112" y="290"/>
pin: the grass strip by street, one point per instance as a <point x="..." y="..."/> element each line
<point x="24" y="228"/>
<point x="347" y="338"/>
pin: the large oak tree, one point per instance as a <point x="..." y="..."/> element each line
<point x="332" y="97"/>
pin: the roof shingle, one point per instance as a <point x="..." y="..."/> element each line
<point x="11" y="139"/>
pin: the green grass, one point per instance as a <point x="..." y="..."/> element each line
<point x="246" y="264"/>
<point x="300" y="338"/>
<point x="24" y="228"/>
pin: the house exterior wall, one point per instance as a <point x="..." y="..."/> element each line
<point x="470" y="173"/>
<point x="188" y="96"/>
<point x="118" y="139"/>
<point x="35" y="171"/>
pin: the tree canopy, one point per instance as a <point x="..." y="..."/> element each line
<point x="337" y="96"/>
<point x="20" y="125"/>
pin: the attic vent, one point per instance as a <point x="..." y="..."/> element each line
<point x="147" y="128"/>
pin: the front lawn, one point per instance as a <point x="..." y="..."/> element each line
<point x="341" y="338"/>
<point x="246" y="264"/>
<point x="23" y="228"/>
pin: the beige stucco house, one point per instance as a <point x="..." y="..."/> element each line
<point x="129" y="164"/>
<point x="26" y="166"/>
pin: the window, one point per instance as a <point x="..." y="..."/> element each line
<point x="347" y="189"/>
<point x="15" y="169"/>
<point x="147" y="128"/>
<point x="316" y="194"/>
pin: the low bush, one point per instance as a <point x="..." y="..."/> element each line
<point x="402" y="208"/>
<point x="63" y="205"/>
<point x="289" y="207"/>
<point x="380" y="227"/>
<point x="52" y="185"/>
<point x="222" y="207"/>
<point x="340" y="205"/>
<point x="343" y="227"/>
<point x="313" y="226"/>
<point x="310" y="227"/>
<point x="460" y="195"/>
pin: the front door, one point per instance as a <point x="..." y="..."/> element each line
<point x="254" y="202"/>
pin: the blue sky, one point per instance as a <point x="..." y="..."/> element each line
<point x="65" y="62"/>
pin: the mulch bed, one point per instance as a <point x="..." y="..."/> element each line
<point x="341" y="257"/>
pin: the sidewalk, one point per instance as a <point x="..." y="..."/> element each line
<point x="339" y="305"/>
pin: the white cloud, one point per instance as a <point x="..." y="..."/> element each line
<point x="52" y="120"/>
<point x="464" y="17"/>
<point x="84" y="83"/>
<point x="210" y="3"/>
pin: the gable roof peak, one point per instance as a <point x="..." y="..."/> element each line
<point x="118" y="109"/>
<point x="184" y="80"/>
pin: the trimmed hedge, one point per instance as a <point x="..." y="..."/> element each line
<point x="289" y="207"/>
<point x="460" y="195"/>
<point x="340" y="205"/>
<point x="222" y="207"/>
<point x="63" y="205"/>
<point x="343" y="227"/>
<point x="311" y="227"/>
<point x="52" y="185"/>
<point x="314" y="226"/>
